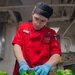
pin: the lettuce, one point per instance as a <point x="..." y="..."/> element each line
<point x="30" y="72"/>
<point x="64" y="72"/>
<point x="3" y="73"/>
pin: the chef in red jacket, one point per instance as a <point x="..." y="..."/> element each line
<point x="36" y="45"/>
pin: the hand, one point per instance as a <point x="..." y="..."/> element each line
<point x="43" y="69"/>
<point x="23" y="67"/>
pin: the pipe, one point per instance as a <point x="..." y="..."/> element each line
<point x="63" y="18"/>
<point x="68" y="28"/>
<point x="21" y="6"/>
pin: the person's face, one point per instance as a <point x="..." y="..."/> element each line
<point x="38" y="21"/>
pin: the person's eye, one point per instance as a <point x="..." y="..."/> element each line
<point x="36" y="18"/>
<point x="43" y="21"/>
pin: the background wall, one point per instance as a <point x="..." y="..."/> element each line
<point x="7" y="64"/>
<point x="67" y="44"/>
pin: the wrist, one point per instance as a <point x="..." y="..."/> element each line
<point x="49" y="66"/>
<point x="22" y="63"/>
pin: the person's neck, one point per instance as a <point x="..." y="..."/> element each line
<point x="39" y="29"/>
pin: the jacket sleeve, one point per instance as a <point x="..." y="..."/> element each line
<point x="18" y="39"/>
<point x="55" y="44"/>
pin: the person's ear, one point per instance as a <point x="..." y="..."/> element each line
<point x="48" y="19"/>
<point x="32" y="13"/>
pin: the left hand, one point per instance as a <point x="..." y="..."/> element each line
<point x="42" y="69"/>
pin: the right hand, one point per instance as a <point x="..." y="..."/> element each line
<point x="23" y="67"/>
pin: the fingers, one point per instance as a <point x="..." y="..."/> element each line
<point x="39" y="71"/>
<point x="36" y="68"/>
<point x="21" y="71"/>
<point x="42" y="72"/>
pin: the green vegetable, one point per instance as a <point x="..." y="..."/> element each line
<point x="24" y="73"/>
<point x="68" y="72"/>
<point x="3" y="73"/>
<point x="0" y="72"/>
<point x="31" y="72"/>
<point x="64" y="72"/>
<point x="60" y="72"/>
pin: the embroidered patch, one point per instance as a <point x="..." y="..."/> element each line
<point x="47" y="38"/>
<point x="26" y="31"/>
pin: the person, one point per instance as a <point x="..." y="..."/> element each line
<point x="36" y="45"/>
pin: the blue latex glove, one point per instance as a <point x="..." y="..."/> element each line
<point x="23" y="67"/>
<point x="43" y="69"/>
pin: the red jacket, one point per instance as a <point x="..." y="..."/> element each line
<point x="37" y="46"/>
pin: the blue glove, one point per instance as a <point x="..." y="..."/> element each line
<point x="23" y="67"/>
<point x="43" y="69"/>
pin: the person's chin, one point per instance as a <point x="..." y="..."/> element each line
<point x="37" y="28"/>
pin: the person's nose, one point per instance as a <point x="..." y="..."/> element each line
<point x="39" y="22"/>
